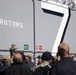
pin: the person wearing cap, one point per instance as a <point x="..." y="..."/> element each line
<point x="39" y="59"/>
<point x="66" y="65"/>
<point x="44" y="67"/>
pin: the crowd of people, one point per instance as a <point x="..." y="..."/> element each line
<point x="19" y="64"/>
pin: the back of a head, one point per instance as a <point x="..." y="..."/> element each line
<point x="65" y="46"/>
<point x="17" y="58"/>
<point x="46" y="56"/>
<point x="63" y="49"/>
<point x="23" y="56"/>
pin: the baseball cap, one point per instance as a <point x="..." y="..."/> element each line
<point x="46" y="56"/>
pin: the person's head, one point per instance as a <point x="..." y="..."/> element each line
<point x="63" y="50"/>
<point x="17" y="58"/>
<point x="22" y="53"/>
<point x="46" y="56"/>
<point x="5" y="60"/>
<point x="54" y="59"/>
<point x="39" y="59"/>
<point x="13" y="45"/>
<point x="28" y="58"/>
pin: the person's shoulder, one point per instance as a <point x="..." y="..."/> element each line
<point x="42" y="70"/>
<point x="38" y="71"/>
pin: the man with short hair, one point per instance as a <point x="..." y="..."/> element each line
<point x="28" y="60"/>
<point x="66" y="65"/>
<point x="17" y="67"/>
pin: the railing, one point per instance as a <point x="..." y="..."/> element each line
<point x="34" y="58"/>
<point x="29" y="52"/>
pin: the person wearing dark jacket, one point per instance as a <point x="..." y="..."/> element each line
<point x="25" y="65"/>
<point x="44" y="67"/>
<point x="17" y="68"/>
<point x="66" y="65"/>
<point x="5" y="65"/>
<point x="28" y="60"/>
